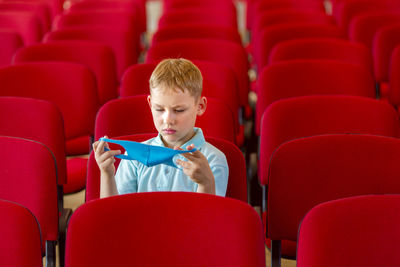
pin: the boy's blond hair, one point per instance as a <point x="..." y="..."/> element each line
<point x="177" y="73"/>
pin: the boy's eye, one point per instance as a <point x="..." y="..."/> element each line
<point x="158" y="109"/>
<point x="179" y="110"/>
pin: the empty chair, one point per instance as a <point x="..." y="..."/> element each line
<point x="37" y="120"/>
<point x="227" y="53"/>
<point x="363" y="27"/>
<point x="385" y="41"/>
<point x="237" y="185"/>
<point x="325" y="227"/>
<point x="271" y="36"/>
<point x="98" y="57"/>
<point x="39" y="9"/>
<point x="330" y="167"/>
<point x="10" y="41"/>
<point x="281" y="16"/>
<point x="345" y="11"/>
<point x="123" y="42"/>
<point x="311" y="77"/>
<point x="278" y="16"/>
<point x="20" y="236"/>
<point x="314" y="115"/>
<point x="224" y="219"/>
<point x="136" y="6"/>
<point x="26" y="24"/>
<point x="123" y="19"/>
<point x="76" y="98"/>
<point x="217" y="121"/>
<point x="322" y="48"/>
<point x="29" y="177"/>
<point x="220" y="17"/>
<point x="196" y="31"/>
<point x="256" y="7"/>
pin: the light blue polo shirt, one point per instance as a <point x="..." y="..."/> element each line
<point x="133" y="176"/>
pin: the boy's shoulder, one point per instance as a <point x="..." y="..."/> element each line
<point x="212" y="153"/>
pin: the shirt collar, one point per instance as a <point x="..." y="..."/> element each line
<point x="198" y="139"/>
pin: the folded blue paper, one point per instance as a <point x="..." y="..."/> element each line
<point x="147" y="154"/>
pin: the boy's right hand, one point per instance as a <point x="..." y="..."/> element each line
<point x="105" y="159"/>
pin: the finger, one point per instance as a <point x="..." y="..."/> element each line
<point x="109" y="154"/>
<point x="190" y="147"/>
<point x="188" y="156"/>
<point x="184" y="164"/>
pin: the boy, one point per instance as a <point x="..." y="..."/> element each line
<point x="175" y="101"/>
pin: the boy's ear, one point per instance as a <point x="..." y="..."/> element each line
<point x="202" y="106"/>
<point x="149" y="100"/>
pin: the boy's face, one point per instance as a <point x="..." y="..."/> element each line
<point x="174" y="114"/>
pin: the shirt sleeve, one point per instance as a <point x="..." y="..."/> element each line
<point x="126" y="177"/>
<point x="221" y="174"/>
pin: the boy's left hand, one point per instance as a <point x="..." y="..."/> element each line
<point x="198" y="169"/>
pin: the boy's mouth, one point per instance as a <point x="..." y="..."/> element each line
<point x="169" y="131"/>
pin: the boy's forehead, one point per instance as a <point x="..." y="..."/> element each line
<point x="170" y="92"/>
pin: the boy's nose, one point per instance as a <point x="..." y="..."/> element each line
<point x="169" y="117"/>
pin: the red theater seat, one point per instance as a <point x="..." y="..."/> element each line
<point x="338" y="233"/>
<point x="20" y="236"/>
<point x="233" y="230"/>
<point x="311" y="77"/>
<point x="330" y="167"/>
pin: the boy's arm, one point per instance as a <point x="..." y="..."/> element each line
<point x="105" y="160"/>
<point x="198" y="169"/>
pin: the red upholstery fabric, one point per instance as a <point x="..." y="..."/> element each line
<point x="220" y="17"/>
<point x="169" y="5"/>
<point x="330" y="167"/>
<point x="254" y="8"/>
<point x="217" y="121"/>
<point x="98" y="57"/>
<point x="270" y="36"/>
<point x="38" y="9"/>
<point x="394" y="77"/>
<point x="364" y="26"/>
<point x="123" y="42"/>
<point x="29" y="177"/>
<point x="293" y="118"/>
<point x="218" y="82"/>
<point x="338" y="233"/>
<point x="274" y="17"/>
<point x="322" y="48"/>
<point x="37" y="120"/>
<point x="20" y="236"/>
<point x="10" y="41"/>
<point x="278" y="16"/>
<point x="227" y="53"/>
<point x="136" y="6"/>
<point x="76" y="98"/>
<point x="278" y="4"/>
<point x="345" y="11"/>
<point x="310" y="77"/>
<point x="230" y="232"/>
<point x="196" y="31"/>
<point x="77" y="169"/>
<point x="237" y="183"/>
<point x="124" y="19"/>
<point x="385" y="41"/>
<point x="26" y="24"/>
